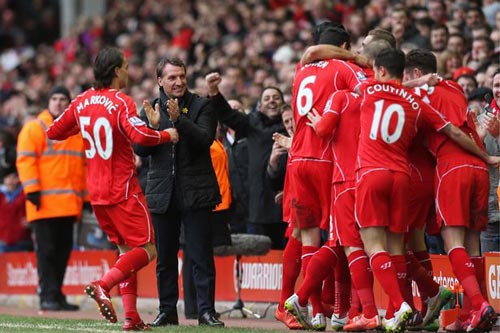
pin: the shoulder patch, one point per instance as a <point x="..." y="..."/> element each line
<point x="136" y="121"/>
<point x="361" y="76"/>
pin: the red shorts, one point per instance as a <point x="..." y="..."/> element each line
<point x="345" y="231"/>
<point x="462" y="191"/>
<point x="422" y="211"/>
<point x="309" y="193"/>
<point x="382" y="199"/>
<point x="128" y="222"/>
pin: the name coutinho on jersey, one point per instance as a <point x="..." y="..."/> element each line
<point x="396" y="91"/>
<point x="97" y="100"/>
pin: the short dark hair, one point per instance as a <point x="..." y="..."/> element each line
<point x="489" y="43"/>
<point x="422" y="59"/>
<point x="174" y="61"/>
<point x="393" y="60"/>
<point x="379" y="33"/>
<point x="272" y="87"/>
<point x="319" y="28"/>
<point x="105" y="63"/>
<point x="440" y="26"/>
<point x="335" y="36"/>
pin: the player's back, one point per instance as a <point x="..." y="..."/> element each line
<point x="345" y="140"/>
<point x="390" y="116"/>
<point x="448" y="97"/>
<point x="313" y="85"/>
<point x="110" y="157"/>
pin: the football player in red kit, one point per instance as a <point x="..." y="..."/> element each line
<point x="108" y="121"/>
<point x="310" y="160"/>
<point x="390" y="117"/>
<point x="461" y="189"/>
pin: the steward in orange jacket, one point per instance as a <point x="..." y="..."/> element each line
<point x="56" y="169"/>
<point x="53" y="175"/>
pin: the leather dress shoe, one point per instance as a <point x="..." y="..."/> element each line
<point x="50" y="306"/>
<point x="164" y="319"/>
<point x="209" y="319"/>
<point x="65" y="306"/>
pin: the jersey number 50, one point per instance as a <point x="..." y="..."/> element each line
<point x="382" y="119"/>
<point x="94" y="137"/>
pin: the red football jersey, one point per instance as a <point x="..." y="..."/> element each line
<point x="341" y="117"/>
<point x="390" y="117"/>
<point x="313" y="85"/>
<point x="109" y="124"/>
<point x="448" y="97"/>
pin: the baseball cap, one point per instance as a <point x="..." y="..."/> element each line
<point x="462" y="71"/>
<point x="60" y="90"/>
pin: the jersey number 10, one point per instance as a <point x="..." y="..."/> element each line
<point x="382" y="119"/>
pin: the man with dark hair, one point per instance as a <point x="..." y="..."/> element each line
<point x="107" y="120"/>
<point x="324" y="51"/>
<point x="310" y="167"/>
<point x="461" y="190"/>
<point x="439" y="37"/>
<point x="391" y="113"/>
<point x="182" y="189"/>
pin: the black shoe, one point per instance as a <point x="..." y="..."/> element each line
<point x="164" y="319"/>
<point x="65" y="306"/>
<point x="209" y="319"/>
<point x="50" y="306"/>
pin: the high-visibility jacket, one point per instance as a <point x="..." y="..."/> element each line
<point x="55" y="168"/>
<point x="220" y="162"/>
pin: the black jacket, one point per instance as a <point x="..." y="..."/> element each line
<point x="187" y="165"/>
<point x="258" y="129"/>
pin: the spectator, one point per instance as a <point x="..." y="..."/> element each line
<point x="53" y="204"/>
<point x="456" y="43"/>
<point x="467" y="82"/>
<point x="439" y="37"/>
<point x="258" y="127"/>
<point x="182" y="189"/>
<point x="14" y="233"/>
<point x="237" y="151"/>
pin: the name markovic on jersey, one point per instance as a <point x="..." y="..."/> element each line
<point x="97" y="100"/>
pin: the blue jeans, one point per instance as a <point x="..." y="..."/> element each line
<point x="490" y="238"/>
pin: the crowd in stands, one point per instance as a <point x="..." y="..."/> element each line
<point x="252" y="43"/>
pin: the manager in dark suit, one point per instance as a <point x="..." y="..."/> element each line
<point x="182" y="188"/>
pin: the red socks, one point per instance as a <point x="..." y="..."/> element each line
<point x="128" y="291"/>
<point x="383" y="269"/>
<point x="362" y="281"/>
<point x="291" y="268"/>
<point x="128" y="263"/>
<point x="342" y="283"/>
<point x="479" y="269"/>
<point x="425" y="260"/>
<point x="316" y="268"/>
<point x="328" y="291"/>
<point x="404" y="282"/>
<point x="463" y="269"/>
